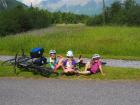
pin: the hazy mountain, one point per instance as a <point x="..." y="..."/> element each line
<point x="88" y="7"/>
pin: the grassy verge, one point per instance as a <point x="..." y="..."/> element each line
<point x="111" y="42"/>
<point x="7" y="71"/>
<point x="111" y="74"/>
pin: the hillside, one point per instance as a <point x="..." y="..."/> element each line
<point x="110" y="42"/>
<point x="7" y="4"/>
<point x="87" y="7"/>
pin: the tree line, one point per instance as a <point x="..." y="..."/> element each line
<point x="126" y="13"/>
<point x="21" y="19"/>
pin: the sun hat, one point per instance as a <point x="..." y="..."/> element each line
<point x="96" y="56"/>
<point x="69" y="53"/>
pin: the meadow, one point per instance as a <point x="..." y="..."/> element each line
<point x="109" y="41"/>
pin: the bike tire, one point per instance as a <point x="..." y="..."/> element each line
<point x="9" y="62"/>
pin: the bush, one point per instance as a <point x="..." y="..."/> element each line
<point x="97" y="20"/>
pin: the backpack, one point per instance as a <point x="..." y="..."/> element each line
<point x="36" y="52"/>
<point x="40" y="61"/>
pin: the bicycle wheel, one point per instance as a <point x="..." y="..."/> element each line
<point x="15" y="63"/>
<point x="9" y="62"/>
<point x="46" y="72"/>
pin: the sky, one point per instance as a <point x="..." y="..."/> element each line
<point x="82" y="6"/>
<point x="56" y="4"/>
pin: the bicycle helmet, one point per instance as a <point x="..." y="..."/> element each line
<point x="96" y="56"/>
<point x="69" y="53"/>
<point x="52" y="52"/>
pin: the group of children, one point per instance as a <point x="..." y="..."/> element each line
<point x="68" y="64"/>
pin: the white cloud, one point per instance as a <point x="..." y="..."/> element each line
<point x="122" y="1"/>
<point x="60" y="3"/>
<point x="98" y="1"/>
<point x="34" y="2"/>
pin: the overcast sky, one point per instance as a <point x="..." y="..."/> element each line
<point x="57" y="4"/>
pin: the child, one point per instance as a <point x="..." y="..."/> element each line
<point x="60" y="62"/>
<point x="94" y="66"/>
<point x="53" y="61"/>
<point x="69" y="64"/>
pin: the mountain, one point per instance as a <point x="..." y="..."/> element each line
<point x="91" y="7"/>
<point x="7" y="4"/>
<point x="87" y="7"/>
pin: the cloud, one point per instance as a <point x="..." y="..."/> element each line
<point x="60" y="3"/>
<point x="122" y="1"/>
<point x="98" y="1"/>
<point x="34" y="2"/>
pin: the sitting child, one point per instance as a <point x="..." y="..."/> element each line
<point x="94" y="66"/>
<point x="69" y="64"/>
<point x="53" y="61"/>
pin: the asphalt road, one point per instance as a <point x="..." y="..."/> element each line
<point x="68" y="92"/>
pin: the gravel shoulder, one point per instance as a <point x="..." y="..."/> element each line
<point x="110" y="62"/>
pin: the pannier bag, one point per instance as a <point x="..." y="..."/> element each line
<point x="40" y="61"/>
<point x="37" y="52"/>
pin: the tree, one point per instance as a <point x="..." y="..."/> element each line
<point x="129" y="4"/>
<point x="133" y="16"/>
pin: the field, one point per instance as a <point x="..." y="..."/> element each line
<point x="111" y="42"/>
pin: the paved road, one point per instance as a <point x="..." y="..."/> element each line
<point x="68" y="92"/>
<point x="110" y="62"/>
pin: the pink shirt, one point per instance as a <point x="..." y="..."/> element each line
<point x="95" y="66"/>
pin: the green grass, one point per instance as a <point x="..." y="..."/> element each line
<point x="111" y="74"/>
<point x="7" y="71"/>
<point x="110" y="42"/>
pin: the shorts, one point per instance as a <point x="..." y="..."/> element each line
<point x="94" y="72"/>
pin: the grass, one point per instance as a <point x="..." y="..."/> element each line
<point x="111" y="74"/>
<point x="110" y="42"/>
<point x="7" y="71"/>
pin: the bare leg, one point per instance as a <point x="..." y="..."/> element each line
<point x="60" y="64"/>
<point x="68" y="70"/>
<point x="87" y="66"/>
<point x="86" y="69"/>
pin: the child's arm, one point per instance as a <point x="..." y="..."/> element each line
<point x="101" y="70"/>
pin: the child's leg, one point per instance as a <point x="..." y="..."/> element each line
<point x="60" y="64"/>
<point x="56" y="67"/>
<point x="68" y="70"/>
<point x="86" y="69"/>
<point x="87" y="66"/>
<point x="84" y="72"/>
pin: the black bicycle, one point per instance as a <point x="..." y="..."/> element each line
<point x="36" y="64"/>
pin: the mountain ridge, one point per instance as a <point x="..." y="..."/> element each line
<point x="91" y="8"/>
<point x="8" y="4"/>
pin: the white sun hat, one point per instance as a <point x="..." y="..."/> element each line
<point x="96" y="56"/>
<point x="69" y="53"/>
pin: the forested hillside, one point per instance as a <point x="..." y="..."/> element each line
<point x="127" y="13"/>
<point x="8" y="4"/>
<point x="21" y="19"/>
